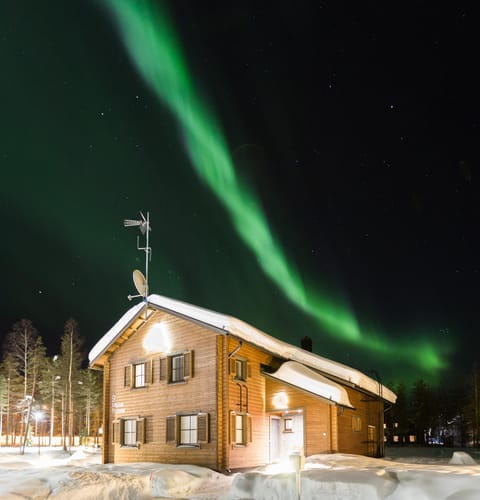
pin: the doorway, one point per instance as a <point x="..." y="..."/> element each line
<point x="286" y="435"/>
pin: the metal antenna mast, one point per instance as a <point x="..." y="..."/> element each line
<point x="141" y="282"/>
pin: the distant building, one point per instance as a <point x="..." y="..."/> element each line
<point x="183" y="384"/>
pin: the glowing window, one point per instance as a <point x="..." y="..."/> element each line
<point x="130" y="432"/>
<point x="188" y="429"/>
<point x="139" y="375"/>
<point x="240" y="429"/>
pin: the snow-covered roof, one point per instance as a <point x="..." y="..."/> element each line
<point x="248" y="333"/>
<point x="304" y="378"/>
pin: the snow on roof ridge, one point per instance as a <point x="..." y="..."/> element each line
<point x="249" y="333"/>
<point x="110" y="336"/>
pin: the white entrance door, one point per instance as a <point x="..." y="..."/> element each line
<point x="275" y="439"/>
<point x="286" y="435"/>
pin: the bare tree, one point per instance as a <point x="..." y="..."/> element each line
<point x="20" y="345"/>
<point x="50" y="390"/>
<point x="37" y="357"/>
<point x="71" y="360"/>
<point x="13" y="389"/>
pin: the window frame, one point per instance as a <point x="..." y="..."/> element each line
<point x="132" y="379"/>
<point x="174" y="429"/>
<point x="139" y="377"/>
<point x="240" y="369"/>
<point x="137" y="434"/>
<point x="245" y="429"/>
<point x="177" y="375"/>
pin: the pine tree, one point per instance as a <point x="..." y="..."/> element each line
<point x="90" y="398"/>
<point x="424" y="410"/>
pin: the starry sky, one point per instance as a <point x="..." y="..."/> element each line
<point x="309" y="167"/>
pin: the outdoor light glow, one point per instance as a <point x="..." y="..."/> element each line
<point x="157" y="339"/>
<point x="280" y="400"/>
<point x="151" y="43"/>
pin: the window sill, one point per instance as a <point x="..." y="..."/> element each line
<point x="188" y="445"/>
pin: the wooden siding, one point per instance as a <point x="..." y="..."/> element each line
<point x="254" y="452"/>
<point x="214" y="389"/>
<point x="369" y="410"/>
<point x="159" y="399"/>
<point x="316" y="426"/>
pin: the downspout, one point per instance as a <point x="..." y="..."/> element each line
<point x="239" y="346"/>
<point x="226" y="422"/>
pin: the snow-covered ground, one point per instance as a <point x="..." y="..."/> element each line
<point x="405" y="474"/>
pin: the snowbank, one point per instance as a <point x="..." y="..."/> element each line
<point x="58" y="475"/>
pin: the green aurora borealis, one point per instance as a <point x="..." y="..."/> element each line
<point x="151" y="43"/>
<point x="277" y="193"/>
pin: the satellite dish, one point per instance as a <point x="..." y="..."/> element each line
<point x="140" y="283"/>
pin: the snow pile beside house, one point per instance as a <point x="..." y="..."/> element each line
<point x="329" y="477"/>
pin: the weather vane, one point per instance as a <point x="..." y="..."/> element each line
<point x="141" y="281"/>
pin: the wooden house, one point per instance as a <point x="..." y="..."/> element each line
<point x="183" y="384"/>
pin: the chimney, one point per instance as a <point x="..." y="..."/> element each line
<point x="306" y="343"/>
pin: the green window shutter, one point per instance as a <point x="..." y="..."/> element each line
<point x="249" y="370"/>
<point x="141" y="430"/>
<point x="232" y="367"/>
<point x="163" y="368"/>
<point x="171" y="429"/>
<point x="188" y="364"/>
<point x="203" y="427"/>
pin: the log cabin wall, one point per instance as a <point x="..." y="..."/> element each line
<point x="247" y="397"/>
<point x="317" y="426"/>
<point x="360" y="430"/>
<point x="107" y="447"/>
<point x="159" y="399"/>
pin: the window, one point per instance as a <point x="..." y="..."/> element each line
<point x="177" y="367"/>
<point x="129" y="431"/>
<point x="356" y="424"/>
<point x="288" y="425"/>
<point x="139" y="371"/>
<point x="240" y="429"/>
<point x="188" y="429"/>
<point x="240" y="369"/>
<point x="138" y="374"/>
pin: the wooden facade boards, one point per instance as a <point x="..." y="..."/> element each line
<point x="176" y="391"/>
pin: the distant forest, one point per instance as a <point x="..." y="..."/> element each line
<point x="47" y="400"/>
<point x="448" y="414"/>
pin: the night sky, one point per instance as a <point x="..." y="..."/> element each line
<point x="309" y="167"/>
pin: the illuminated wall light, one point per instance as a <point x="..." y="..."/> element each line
<point x="280" y="400"/>
<point x="158" y="339"/>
